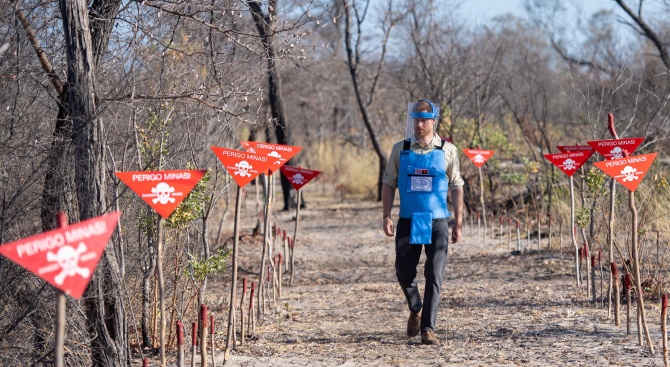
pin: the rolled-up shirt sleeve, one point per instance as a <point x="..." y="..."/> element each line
<point x="391" y="174"/>
<point x="453" y="168"/>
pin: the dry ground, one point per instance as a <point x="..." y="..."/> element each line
<point x="498" y="309"/>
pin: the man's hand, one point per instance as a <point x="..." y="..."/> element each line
<point x="388" y="227"/>
<point x="456" y="233"/>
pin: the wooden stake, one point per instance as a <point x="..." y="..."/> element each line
<point x="145" y="362"/>
<point x="636" y="269"/>
<point x="59" y="345"/>
<point x="203" y="335"/>
<point x="588" y="269"/>
<point x="509" y="232"/>
<point x="501" y="231"/>
<point x="572" y="233"/>
<point x="614" y="274"/>
<point x="481" y="199"/>
<point x="233" y="285"/>
<point x="180" y="344"/>
<point x="252" y="318"/>
<point x="291" y="246"/>
<point x="479" y="226"/>
<point x="539" y="232"/>
<point x="242" y="311"/>
<point x="194" y="342"/>
<point x="626" y="285"/>
<point x="161" y="291"/>
<point x="280" y="272"/>
<point x="549" y="245"/>
<point x="295" y="235"/>
<point x="600" y="266"/>
<point x="518" y="237"/>
<point x="610" y="241"/>
<point x="266" y="248"/>
<point x="664" y="328"/>
<point x="211" y="339"/>
<point x="593" y="278"/>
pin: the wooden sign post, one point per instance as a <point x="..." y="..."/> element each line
<point x="298" y="177"/>
<point x="568" y="163"/>
<point x="629" y="172"/>
<point x="163" y="191"/>
<point x="243" y="168"/>
<point x="479" y="157"/>
<point x="613" y="149"/>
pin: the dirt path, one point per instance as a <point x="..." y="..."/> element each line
<point x="346" y="309"/>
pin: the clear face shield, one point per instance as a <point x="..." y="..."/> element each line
<point x="411" y="115"/>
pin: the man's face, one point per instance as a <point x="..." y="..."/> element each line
<point x="423" y="127"/>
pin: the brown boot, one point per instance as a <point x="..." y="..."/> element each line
<point x="414" y="324"/>
<point x="428" y="337"/>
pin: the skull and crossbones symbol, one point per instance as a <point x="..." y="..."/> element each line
<point x="479" y="158"/>
<point x="569" y="164"/>
<point x="163" y="191"/>
<point x="629" y="174"/>
<point x="617" y="153"/>
<point x="243" y="168"/>
<point x="68" y="258"/>
<point x="298" y="179"/>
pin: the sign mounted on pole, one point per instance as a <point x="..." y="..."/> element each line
<point x="299" y="177"/>
<point x="478" y="157"/>
<point x="575" y="148"/>
<point x="615" y="148"/>
<point x="629" y="171"/>
<point x="279" y="154"/>
<point x="162" y="190"/>
<point x="242" y="166"/>
<point x="569" y="163"/>
<point x="65" y="257"/>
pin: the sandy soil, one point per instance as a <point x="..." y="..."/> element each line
<point x="498" y="309"/>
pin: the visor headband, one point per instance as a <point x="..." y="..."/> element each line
<point x="426" y="115"/>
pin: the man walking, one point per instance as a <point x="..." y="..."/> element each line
<point x="423" y="168"/>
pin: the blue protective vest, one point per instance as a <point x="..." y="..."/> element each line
<point x="423" y="183"/>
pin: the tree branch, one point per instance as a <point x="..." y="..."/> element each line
<point x="41" y="55"/>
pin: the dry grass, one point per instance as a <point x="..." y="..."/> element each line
<point x="352" y="167"/>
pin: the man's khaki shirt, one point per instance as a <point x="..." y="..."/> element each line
<point x="450" y="158"/>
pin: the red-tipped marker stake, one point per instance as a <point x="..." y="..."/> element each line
<point x="145" y="362"/>
<point x="203" y="335"/>
<point x="180" y="344"/>
<point x="194" y="341"/>
<point x="664" y="328"/>
<point x="626" y="285"/>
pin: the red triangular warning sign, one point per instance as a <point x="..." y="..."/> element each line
<point x="279" y="154"/>
<point x="298" y="177"/>
<point x="242" y="166"/>
<point x="614" y="148"/>
<point x="569" y="163"/>
<point x="576" y="148"/>
<point x="629" y="171"/>
<point x="162" y="190"/>
<point x="478" y="157"/>
<point x="65" y="257"/>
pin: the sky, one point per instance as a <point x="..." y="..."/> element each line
<point x="483" y="10"/>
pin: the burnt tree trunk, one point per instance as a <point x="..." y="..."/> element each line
<point x="264" y="22"/>
<point x="105" y="313"/>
